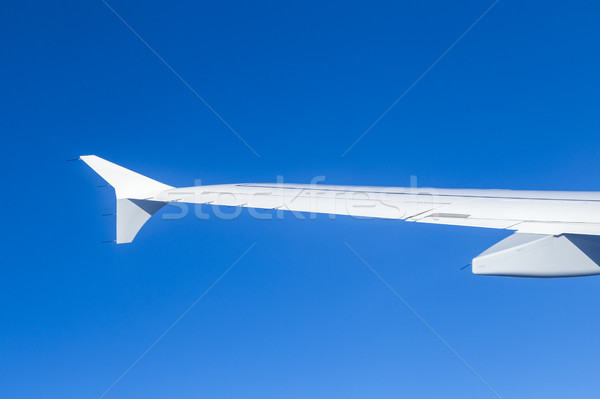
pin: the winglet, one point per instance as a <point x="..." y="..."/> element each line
<point x="133" y="193"/>
<point x="127" y="183"/>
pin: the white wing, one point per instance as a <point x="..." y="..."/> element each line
<point x="555" y="230"/>
<point x="540" y="212"/>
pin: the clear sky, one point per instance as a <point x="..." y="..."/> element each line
<point x="513" y="105"/>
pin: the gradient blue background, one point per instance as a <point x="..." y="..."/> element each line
<point x="513" y="105"/>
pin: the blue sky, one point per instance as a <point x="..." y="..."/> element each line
<point x="513" y="105"/>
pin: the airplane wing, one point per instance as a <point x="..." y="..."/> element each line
<point x="556" y="233"/>
<point x="536" y="212"/>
